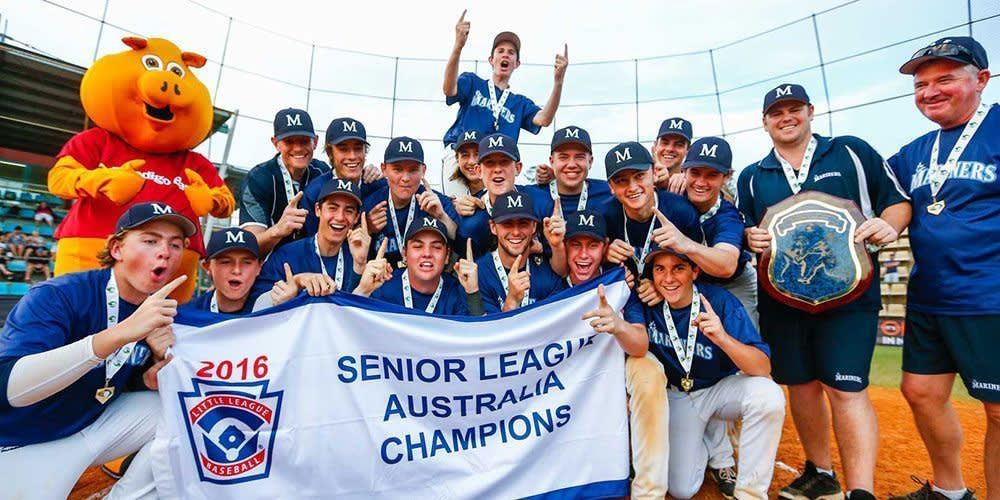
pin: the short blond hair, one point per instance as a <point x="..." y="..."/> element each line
<point x="104" y="256"/>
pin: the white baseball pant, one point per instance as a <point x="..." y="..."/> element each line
<point x="646" y="384"/>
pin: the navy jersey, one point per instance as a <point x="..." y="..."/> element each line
<point x="263" y="198"/>
<point x="203" y="302"/>
<point x="726" y="226"/>
<point x="451" y="303"/>
<point x="312" y="192"/>
<point x="302" y="257"/>
<point x="598" y="195"/>
<point x="474" y="112"/>
<point x="393" y="253"/>
<point x="845" y="167"/>
<point x="956" y="253"/>
<point x="544" y="282"/>
<point x="477" y="227"/>
<point x="677" y="209"/>
<point x="53" y="314"/>
<point x="711" y="364"/>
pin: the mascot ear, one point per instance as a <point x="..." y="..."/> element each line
<point x="193" y="60"/>
<point x="137" y="43"/>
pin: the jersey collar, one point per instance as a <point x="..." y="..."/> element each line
<point x="823" y="145"/>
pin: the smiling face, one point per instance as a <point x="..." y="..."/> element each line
<point x="571" y="163"/>
<point x="296" y="151"/>
<point x="233" y="273"/>
<point x="426" y="254"/>
<point x="348" y="158"/>
<point x="704" y="184"/>
<point x="584" y="255"/>
<point x="467" y="164"/>
<point x="672" y="277"/>
<point x="948" y="92"/>
<point x="337" y="214"/>
<point x="404" y="178"/>
<point x="147" y="257"/>
<point x="633" y="188"/>
<point x="789" y="122"/>
<point x="499" y="172"/>
<point x="504" y="59"/>
<point x="514" y="235"/>
<point x="669" y="150"/>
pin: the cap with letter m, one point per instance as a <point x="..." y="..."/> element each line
<point x="232" y="238"/>
<point x="426" y="223"/>
<point x="586" y="223"/>
<point x="467" y="137"/>
<point x="342" y="129"/>
<point x="291" y="122"/>
<point x="141" y="213"/>
<point x="676" y="126"/>
<point x="513" y="205"/>
<point x="961" y="49"/>
<point x="343" y="187"/>
<point x="404" y="149"/>
<point x="500" y="144"/>
<point x="627" y="156"/>
<point x="571" y="135"/>
<point x="711" y="152"/>
<point x="785" y="92"/>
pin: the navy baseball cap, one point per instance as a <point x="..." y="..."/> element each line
<point x="232" y="238"/>
<point x="342" y="129"/>
<point x="290" y="122"/>
<point x="586" y="223"/>
<point x="139" y="214"/>
<point x="963" y="49"/>
<point x="340" y="186"/>
<point x="571" y="135"/>
<point x="627" y="156"/>
<point x="513" y="205"/>
<point x="656" y="249"/>
<point x="712" y="152"/>
<point x="785" y="92"/>
<point x="403" y="149"/>
<point x="499" y="143"/>
<point x="426" y="223"/>
<point x="467" y="137"/>
<point x="676" y="126"/>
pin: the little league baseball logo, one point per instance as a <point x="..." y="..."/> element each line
<point x="231" y="428"/>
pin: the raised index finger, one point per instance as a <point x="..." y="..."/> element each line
<point x="557" y="208"/>
<point x="381" y="249"/>
<point x="468" y="249"/>
<point x="170" y="287"/>
<point x="566" y="50"/>
<point x="517" y="263"/>
<point x="707" y="305"/>
<point x="289" y="275"/>
<point x="664" y="222"/>
<point x="364" y="222"/>
<point x="463" y="15"/>
<point x="603" y="298"/>
<point x="294" y="202"/>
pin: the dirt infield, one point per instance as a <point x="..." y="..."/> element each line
<point x="901" y="452"/>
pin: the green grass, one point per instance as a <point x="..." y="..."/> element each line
<point x="887" y="371"/>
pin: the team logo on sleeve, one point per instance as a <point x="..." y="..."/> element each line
<point x="231" y="426"/>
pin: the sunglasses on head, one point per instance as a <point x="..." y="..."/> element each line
<point x="947" y="50"/>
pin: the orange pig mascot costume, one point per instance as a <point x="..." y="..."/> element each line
<point x="150" y="110"/>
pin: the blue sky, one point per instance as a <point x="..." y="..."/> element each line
<point x="270" y="48"/>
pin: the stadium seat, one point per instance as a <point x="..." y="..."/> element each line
<point x="4" y="288"/>
<point x="10" y="195"/>
<point x="45" y="230"/>
<point x="27" y="213"/>
<point x="26" y="196"/>
<point x="19" y="288"/>
<point x="17" y="266"/>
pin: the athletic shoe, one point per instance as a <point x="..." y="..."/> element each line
<point x="725" y="479"/>
<point x="926" y="492"/>
<point x="813" y="485"/>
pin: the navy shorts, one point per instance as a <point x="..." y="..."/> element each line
<point x="834" y="347"/>
<point x="968" y="345"/>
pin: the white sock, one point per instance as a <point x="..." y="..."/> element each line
<point x="952" y="494"/>
<point x="828" y="472"/>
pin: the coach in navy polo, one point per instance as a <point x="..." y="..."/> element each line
<point x="828" y="353"/>
<point x="269" y="187"/>
<point x="952" y="306"/>
<point x="571" y="157"/>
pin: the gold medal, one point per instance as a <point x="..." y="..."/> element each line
<point x="687" y="384"/>
<point x="935" y="208"/>
<point x="401" y="264"/>
<point x="104" y="394"/>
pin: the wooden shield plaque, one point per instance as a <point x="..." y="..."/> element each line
<point x="813" y="263"/>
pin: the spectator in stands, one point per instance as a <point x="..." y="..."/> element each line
<point x="3" y="257"/>
<point x="38" y="257"/>
<point x="16" y="242"/>
<point x="44" y="214"/>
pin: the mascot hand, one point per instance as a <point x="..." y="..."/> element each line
<point x="119" y="184"/>
<point x="198" y="193"/>
<point x="223" y="202"/>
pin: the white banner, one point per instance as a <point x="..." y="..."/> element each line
<point x="350" y="398"/>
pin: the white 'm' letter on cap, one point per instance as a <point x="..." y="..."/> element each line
<point x="344" y="184"/>
<point x="470" y="135"/>
<point x="677" y="124"/>
<point x="572" y="132"/>
<point x="515" y="201"/>
<point x="234" y="237"/>
<point x="622" y="156"/>
<point x="587" y="220"/>
<point x="406" y="147"/>
<point x="430" y="222"/>
<point x="161" y="209"/>
<point x="293" y="120"/>
<point x="496" y="142"/>
<point x="350" y="126"/>
<point x="708" y="151"/>
<point x="780" y="91"/>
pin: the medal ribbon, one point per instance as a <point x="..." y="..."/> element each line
<point x="685" y="353"/>
<point x="796" y="181"/>
<point x="640" y="260"/>
<point x="339" y="278"/>
<point x="502" y="273"/>
<point x="580" y="205"/>
<point x="938" y="174"/>
<point x="395" y="222"/>
<point x="408" y="294"/>
<point x="497" y="104"/>
<point x="114" y="362"/>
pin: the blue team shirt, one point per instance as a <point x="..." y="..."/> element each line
<point x="677" y="209"/>
<point x="956" y="253"/>
<point x="477" y="227"/>
<point x="544" y="282"/>
<point x="726" y="226"/>
<point x="862" y="177"/>
<point x="301" y="256"/>
<point x="474" y="112"/>
<point x="392" y="251"/>
<point x="262" y="197"/>
<point x="53" y="314"/>
<point x="711" y="364"/>
<point x="451" y="303"/>
<point x="598" y="195"/>
<point x="203" y="302"/>
<point x="313" y="189"/>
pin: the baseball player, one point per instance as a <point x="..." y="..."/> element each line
<point x="824" y="356"/>
<point x="270" y="196"/>
<point x="422" y="284"/>
<point x="332" y="260"/>
<point x="509" y="277"/>
<point x="952" y="309"/>
<point x="585" y="244"/>
<point x="346" y="146"/>
<point x="466" y="179"/>
<point x="406" y="199"/>
<point x="717" y="369"/>
<point x="488" y="106"/>
<point x="73" y="346"/>
<point x="571" y="157"/>
<point x="233" y="264"/>
<point x="671" y="146"/>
